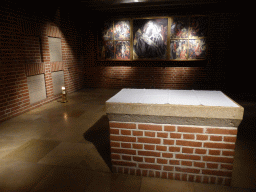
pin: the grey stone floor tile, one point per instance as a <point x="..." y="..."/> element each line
<point x="65" y="179"/>
<point x="54" y="135"/>
<point x="94" y="162"/>
<point x="198" y="187"/>
<point x="125" y="183"/>
<point x="31" y="151"/>
<point x="21" y="176"/>
<point x="100" y="182"/>
<point x="150" y="184"/>
<point x="107" y="182"/>
<point x="9" y="143"/>
<point x="25" y="130"/>
<point x="244" y="167"/>
<point x="82" y="155"/>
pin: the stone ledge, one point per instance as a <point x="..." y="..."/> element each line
<point x="188" y="111"/>
<point x="174" y="120"/>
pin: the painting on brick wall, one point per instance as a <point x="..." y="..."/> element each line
<point x="101" y="51"/>
<point x="179" y="49"/>
<point x="188" y="38"/>
<point x="106" y="50"/>
<point x="122" y="49"/>
<point x="115" y="41"/>
<point x="164" y="38"/>
<point x="198" y="27"/>
<point x="197" y="49"/>
<point x="107" y="33"/>
<point x="109" y="49"/>
<point x="179" y="27"/>
<point x="122" y="30"/>
<point x="150" y="38"/>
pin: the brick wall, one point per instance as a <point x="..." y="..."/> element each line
<point x="144" y="77"/>
<point x="208" y="74"/>
<point x="189" y="153"/>
<point x="25" y="52"/>
<point x="139" y="74"/>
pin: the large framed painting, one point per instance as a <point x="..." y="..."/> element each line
<point x="170" y="38"/>
<point x="150" y="38"/>
<point x="115" y="41"/>
<point x="187" y="39"/>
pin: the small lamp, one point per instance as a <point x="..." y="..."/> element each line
<point x="64" y="95"/>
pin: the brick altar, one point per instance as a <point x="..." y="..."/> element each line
<point x="184" y="135"/>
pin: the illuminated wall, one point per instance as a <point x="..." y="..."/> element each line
<point x="25" y="55"/>
<point x="174" y="73"/>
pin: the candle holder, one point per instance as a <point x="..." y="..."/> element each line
<point x="64" y="95"/>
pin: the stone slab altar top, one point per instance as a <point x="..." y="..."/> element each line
<point x="175" y="103"/>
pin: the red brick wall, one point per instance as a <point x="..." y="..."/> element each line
<point x="25" y="52"/>
<point x="138" y="74"/>
<point x="188" y="153"/>
<point x="143" y="77"/>
<point x="208" y="74"/>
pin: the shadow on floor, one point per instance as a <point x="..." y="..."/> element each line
<point x="99" y="135"/>
<point x="248" y="124"/>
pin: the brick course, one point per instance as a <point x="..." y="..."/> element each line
<point x="200" y="157"/>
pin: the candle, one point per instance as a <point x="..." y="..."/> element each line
<point x="63" y="90"/>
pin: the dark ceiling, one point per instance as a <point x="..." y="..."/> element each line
<point x="126" y="4"/>
<point x="93" y="8"/>
<point x="86" y="11"/>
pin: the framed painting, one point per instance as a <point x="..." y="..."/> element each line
<point x="122" y="30"/>
<point x="101" y="50"/>
<point x="107" y="32"/>
<point x="197" y="49"/>
<point x="179" y="27"/>
<point x="109" y="49"/>
<point x="150" y="38"/>
<point x="179" y="49"/>
<point x="127" y="39"/>
<point x="198" y="26"/>
<point x="122" y="50"/>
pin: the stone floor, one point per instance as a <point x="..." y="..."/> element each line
<point x="64" y="147"/>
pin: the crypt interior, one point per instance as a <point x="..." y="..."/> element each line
<point x="50" y="145"/>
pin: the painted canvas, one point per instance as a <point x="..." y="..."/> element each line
<point x="150" y="38"/>
<point x="122" y="30"/>
<point x="109" y="49"/>
<point x="107" y="32"/>
<point x="122" y="49"/>
<point x="101" y="50"/>
<point x="198" y="27"/>
<point x="179" y="27"/>
<point x="197" y="49"/>
<point x="179" y="49"/>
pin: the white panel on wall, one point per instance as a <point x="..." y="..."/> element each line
<point x="57" y="81"/>
<point x="55" y="49"/>
<point x="36" y="88"/>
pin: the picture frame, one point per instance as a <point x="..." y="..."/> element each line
<point x="150" y="38"/>
<point x="171" y="38"/>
